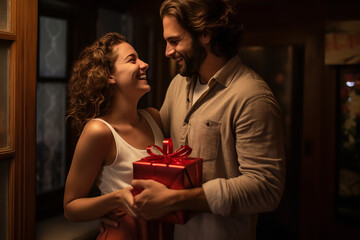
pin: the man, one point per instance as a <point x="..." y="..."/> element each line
<point x="228" y="115"/>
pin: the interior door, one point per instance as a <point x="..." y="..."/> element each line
<point x="18" y="34"/>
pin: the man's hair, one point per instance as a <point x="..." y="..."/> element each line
<point x="217" y="18"/>
<point x="89" y="91"/>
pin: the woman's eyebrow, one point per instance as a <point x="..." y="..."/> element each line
<point x="131" y="55"/>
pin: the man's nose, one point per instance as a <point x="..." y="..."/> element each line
<point x="169" y="51"/>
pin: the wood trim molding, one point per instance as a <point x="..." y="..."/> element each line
<point x="6" y="154"/>
<point x="7" y="36"/>
<point x="21" y="222"/>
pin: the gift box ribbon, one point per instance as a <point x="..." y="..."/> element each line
<point x="167" y="156"/>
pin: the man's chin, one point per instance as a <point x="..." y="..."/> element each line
<point x="185" y="73"/>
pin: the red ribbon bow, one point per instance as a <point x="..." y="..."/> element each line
<point x="167" y="153"/>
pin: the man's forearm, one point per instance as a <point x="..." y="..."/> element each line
<point x="191" y="199"/>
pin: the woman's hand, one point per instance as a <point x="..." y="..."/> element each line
<point x="107" y="221"/>
<point x="126" y="200"/>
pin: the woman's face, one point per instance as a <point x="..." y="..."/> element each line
<point x="129" y="73"/>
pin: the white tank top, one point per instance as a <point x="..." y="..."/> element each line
<point x="119" y="174"/>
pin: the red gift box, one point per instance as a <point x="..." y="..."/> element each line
<point x="174" y="170"/>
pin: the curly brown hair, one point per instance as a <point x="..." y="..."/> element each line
<point x="219" y="18"/>
<point x="89" y="92"/>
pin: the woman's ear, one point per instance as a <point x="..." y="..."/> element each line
<point x="111" y="79"/>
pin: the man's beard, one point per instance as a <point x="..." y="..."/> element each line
<point x="192" y="59"/>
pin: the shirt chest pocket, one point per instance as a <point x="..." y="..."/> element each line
<point x="204" y="139"/>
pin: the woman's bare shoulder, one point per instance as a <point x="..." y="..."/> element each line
<point x="155" y="115"/>
<point x="97" y="131"/>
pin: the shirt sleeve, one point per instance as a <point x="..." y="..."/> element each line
<point x="260" y="151"/>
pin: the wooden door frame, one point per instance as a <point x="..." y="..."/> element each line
<point x="21" y="207"/>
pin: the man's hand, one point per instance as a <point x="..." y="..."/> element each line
<point x="155" y="201"/>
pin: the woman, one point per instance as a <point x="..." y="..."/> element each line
<point x="104" y="89"/>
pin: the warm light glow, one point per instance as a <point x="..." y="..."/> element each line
<point x="350" y="84"/>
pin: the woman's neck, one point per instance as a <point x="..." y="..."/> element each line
<point x="123" y="111"/>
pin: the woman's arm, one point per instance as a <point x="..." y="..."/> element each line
<point x="96" y="145"/>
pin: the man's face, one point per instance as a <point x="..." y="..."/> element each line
<point x="182" y="47"/>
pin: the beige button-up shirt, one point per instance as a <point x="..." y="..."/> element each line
<point x="236" y="127"/>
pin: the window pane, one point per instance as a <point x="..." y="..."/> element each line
<point x="50" y="136"/>
<point x="4" y="96"/>
<point x="4" y="15"/>
<point x="4" y="195"/>
<point x="52" y="47"/>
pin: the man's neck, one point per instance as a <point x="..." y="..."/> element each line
<point x="210" y="66"/>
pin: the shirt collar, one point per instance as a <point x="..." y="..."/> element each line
<point x="222" y="76"/>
